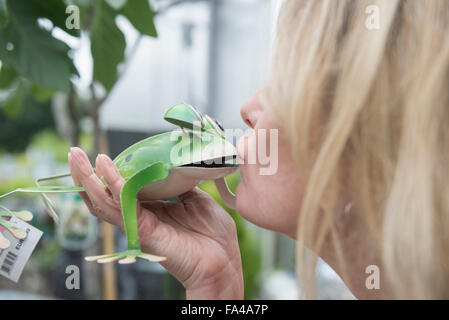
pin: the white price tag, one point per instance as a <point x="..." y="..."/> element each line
<point x="14" y="258"/>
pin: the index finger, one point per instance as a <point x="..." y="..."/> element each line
<point x="103" y="204"/>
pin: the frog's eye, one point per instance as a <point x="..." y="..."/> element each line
<point x="219" y="124"/>
<point x="214" y="125"/>
<point x="185" y="116"/>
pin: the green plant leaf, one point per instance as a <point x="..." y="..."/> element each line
<point x="12" y="106"/>
<point x="32" y="51"/>
<point x="55" y="11"/>
<point x="16" y="133"/>
<point x="41" y="94"/>
<point x="86" y="12"/>
<point x="141" y="16"/>
<point x="7" y="76"/>
<point x="107" y="45"/>
<point x="3" y="14"/>
<point x="81" y="3"/>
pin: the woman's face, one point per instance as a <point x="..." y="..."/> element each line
<point x="269" y="194"/>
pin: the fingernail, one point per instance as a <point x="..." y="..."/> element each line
<point x="81" y="162"/>
<point x="98" y="164"/>
<point x="74" y="154"/>
<point x="105" y="156"/>
<point x="107" y="166"/>
<point x="77" y="152"/>
<point x="100" y="160"/>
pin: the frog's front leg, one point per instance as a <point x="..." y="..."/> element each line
<point x="128" y="199"/>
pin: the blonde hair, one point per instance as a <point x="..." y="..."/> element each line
<point x="367" y="111"/>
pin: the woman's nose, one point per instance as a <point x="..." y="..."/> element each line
<point x="251" y="110"/>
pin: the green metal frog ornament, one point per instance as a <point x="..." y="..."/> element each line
<point x="159" y="167"/>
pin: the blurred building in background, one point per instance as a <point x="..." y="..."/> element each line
<point x="212" y="54"/>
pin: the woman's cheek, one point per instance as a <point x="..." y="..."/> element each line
<point x="270" y="200"/>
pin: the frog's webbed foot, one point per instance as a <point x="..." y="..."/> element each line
<point x="128" y="198"/>
<point x="15" y="231"/>
<point x="125" y="257"/>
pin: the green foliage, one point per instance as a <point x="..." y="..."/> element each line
<point x="33" y="63"/>
<point x="249" y="245"/>
<point x="7" y="76"/>
<point x="141" y="16"/>
<point x="49" y="141"/>
<point x="32" y="51"/>
<point x="17" y="132"/>
<point x="107" y="44"/>
<point x="3" y="14"/>
<point x="41" y="94"/>
<point x="13" y="104"/>
<point x="53" y="10"/>
<point x="7" y="186"/>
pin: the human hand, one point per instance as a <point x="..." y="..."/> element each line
<point x="197" y="235"/>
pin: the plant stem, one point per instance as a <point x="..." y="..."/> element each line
<point x="75" y="118"/>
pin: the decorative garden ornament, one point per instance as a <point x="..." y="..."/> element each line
<point x="159" y="167"/>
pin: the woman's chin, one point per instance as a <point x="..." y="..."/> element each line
<point x="239" y="198"/>
<point x="246" y="206"/>
<point x="243" y="202"/>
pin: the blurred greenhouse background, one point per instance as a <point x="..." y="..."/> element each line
<point x="212" y="54"/>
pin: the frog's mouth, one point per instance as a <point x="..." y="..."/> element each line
<point x="221" y="162"/>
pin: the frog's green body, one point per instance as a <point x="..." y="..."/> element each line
<point x="154" y="149"/>
<point x="162" y="166"/>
